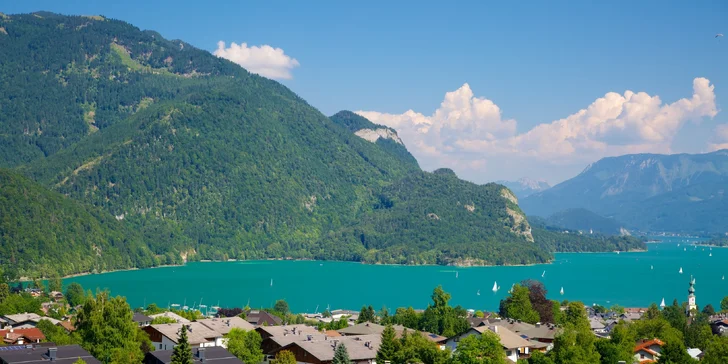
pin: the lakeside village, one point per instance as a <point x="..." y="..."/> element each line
<point x="45" y="325"/>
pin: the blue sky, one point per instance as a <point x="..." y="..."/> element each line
<point x="535" y="62"/>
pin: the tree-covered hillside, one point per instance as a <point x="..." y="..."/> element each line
<point x="46" y="233"/>
<point x="198" y="157"/>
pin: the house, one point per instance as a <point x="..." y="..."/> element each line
<point x="597" y="326"/>
<point x="362" y="349"/>
<point x="720" y="327"/>
<point x="648" y="351"/>
<point x="367" y="328"/>
<point x="695" y="353"/>
<point x="514" y="345"/>
<point x="516" y="326"/>
<point x="67" y="325"/>
<point x="166" y="336"/>
<point x="216" y="355"/>
<point x="179" y="319"/>
<point x="223" y="325"/>
<point x="67" y="354"/>
<point x="338" y="314"/>
<point x="56" y="295"/>
<point x="26" y="320"/>
<point x="141" y="319"/>
<point x="22" y="336"/>
<point x="477" y="321"/>
<point x="276" y="337"/>
<point x="262" y="318"/>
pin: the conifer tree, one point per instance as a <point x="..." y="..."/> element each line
<point x="341" y="356"/>
<point x="388" y="347"/>
<point x="182" y="353"/>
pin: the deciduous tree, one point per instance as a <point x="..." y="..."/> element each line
<point x="518" y="306"/>
<point x="245" y="345"/>
<point x="480" y="349"/>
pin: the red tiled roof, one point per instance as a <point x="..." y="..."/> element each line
<point x="32" y="334"/>
<point x="645" y="345"/>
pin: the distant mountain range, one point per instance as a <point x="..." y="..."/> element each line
<point x="525" y="187"/>
<point x="647" y="192"/>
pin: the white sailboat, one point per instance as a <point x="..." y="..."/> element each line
<point x="652" y="267"/>
<point x="685" y="249"/>
<point x="678" y="244"/>
<point x="710" y="255"/>
<point x="495" y="287"/>
<point x="271" y="282"/>
<point x="662" y="304"/>
<point x="562" y="291"/>
<point x="456" y="274"/>
<point x="680" y="270"/>
<point x="511" y="289"/>
<point x="478" y="293"/>
<point x="543" y="274"/>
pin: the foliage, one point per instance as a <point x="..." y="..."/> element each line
<point x="341" y="356"/>
<point x="79" y="361"/>
<point x="163" y="320"/>
<point x="480" y="349"/>
<point x="55" y="284"/>
<point x="674" y="352"/>
<point x="537" y="295"/>
<point x="367" y="314"/>
<point x="19" y="303"/>
<point x="415" y="348"/>
<point x="106" y="329"/>
<point x="281" y="306"/>
<point x="441" y="318"/>
<point x="245" y="345"/>
<point x="57" y="334"/>
<point x="75" y="295"/>
<point x="182" y="352"/>
<point x="517" y="305"/>
<point x="575" y="345"/>
<point x="709" y="310"/>
<point x="389" y="345"/>
<point x="716" y="352"/>
<point x="229" y="312"/>
<point x="724" y="304"/>
<point x="285" y="357"/>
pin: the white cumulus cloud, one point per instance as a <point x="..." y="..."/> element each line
<point x="264" y="60"/>
<point x="469" y="131"/>
<point x="720" y="138"/>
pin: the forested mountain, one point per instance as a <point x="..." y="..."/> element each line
<point x="40" y="228"/>
<point x="200" y="158"/>
<point x="586" y="221"/>
<point x="648" y="192"/>
<point x="525" y="187"/>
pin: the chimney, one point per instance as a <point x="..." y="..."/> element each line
<point x="52" y="354"/>
<point x="538" y="324"/>
<point x="201" y="354"/>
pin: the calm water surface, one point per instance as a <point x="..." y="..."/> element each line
<point x="603" y="278"/>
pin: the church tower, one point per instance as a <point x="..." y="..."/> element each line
<point x="692" y="307"/>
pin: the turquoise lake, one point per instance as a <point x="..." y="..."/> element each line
<point x="602" y="278"/>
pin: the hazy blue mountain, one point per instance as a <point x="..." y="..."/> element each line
<point x="585" y="221"/>
<point x="680" y="192"/>
<point x="525" y="186"/>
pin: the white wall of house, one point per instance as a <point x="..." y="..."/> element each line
<point x="452" y="344"/>
<point x="643" y="355"/>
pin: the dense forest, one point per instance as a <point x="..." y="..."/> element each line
<point x="178" y="153"/>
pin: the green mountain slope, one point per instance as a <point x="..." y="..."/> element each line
<point x="45" y="233"/>
<point x="648" y="192"/>
<point x="201" y="159"/>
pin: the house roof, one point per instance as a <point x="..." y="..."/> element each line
<point x="694" y="353"/>
<point x="12" y="335"/>
<point x="258" y="317"/>
<point x="140" y="317"/>
<point x="224" y="325"/>
<point x="197" y="333"/>
<point x="286" y="330"/>
<point x="508" y="338"/>
<point x="67" y="354"/>
<point x="595" y="324"/>
<point x="645" y="345"/>
<point x="25" y="317"/>
<point x="542" y="331"/>
<point x="513" y="325"/>
<point x="368" y="328"/>
<point x="67" y="325"/>
<point x="360" y="347"/>
<point x="216" y="354"/>
<point x="477" y="321"/>
<point x="538" y="345"/>
<point x="172" y="315"/>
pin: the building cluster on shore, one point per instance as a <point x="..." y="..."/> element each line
<point x="208" y="336"/>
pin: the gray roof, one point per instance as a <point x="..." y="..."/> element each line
<point x="595" y="324"/>
<point x="24" y="317"/>
<point x="197" y="333"/>
<point x="216" y="354"/>
<point x="368" y="328"/>
<point x="287" y="330"/>
<point x="171" y="315"/>
<point x="508" y="338"/>
<point x="140" y="317"/>
<point x="543" y="331"/>
<point x="360" y="347"/>
<point x="284" y="340"/>
<point x="67" y="354"/>
<point x="538" y="345"/>
<point x="224" y="325"/>
<point x="513" y="325"/>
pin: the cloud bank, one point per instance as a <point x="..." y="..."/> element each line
<point x="264" y="60"/>
<point x="469" y="133"/>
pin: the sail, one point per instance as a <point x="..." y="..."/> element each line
<point x="680" y="270"/>
<point x="663" y="302"/>
<point x="495" y="286"/>
<point x="562" y="290"/>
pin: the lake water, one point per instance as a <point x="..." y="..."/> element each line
<point x="602" y="278"/>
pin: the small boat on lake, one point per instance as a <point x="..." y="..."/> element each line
<point x="662" y="304"/>
<point x="495" y="287"/>
<point x="680" y="270"/>
<point x="543" y="274"/>
<point x="271" y="282"/>
<point x="456" y="274"/>
<point x="478" y="293"/>
<point x="562" y="291"/>
<point x="652" y="267"/>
